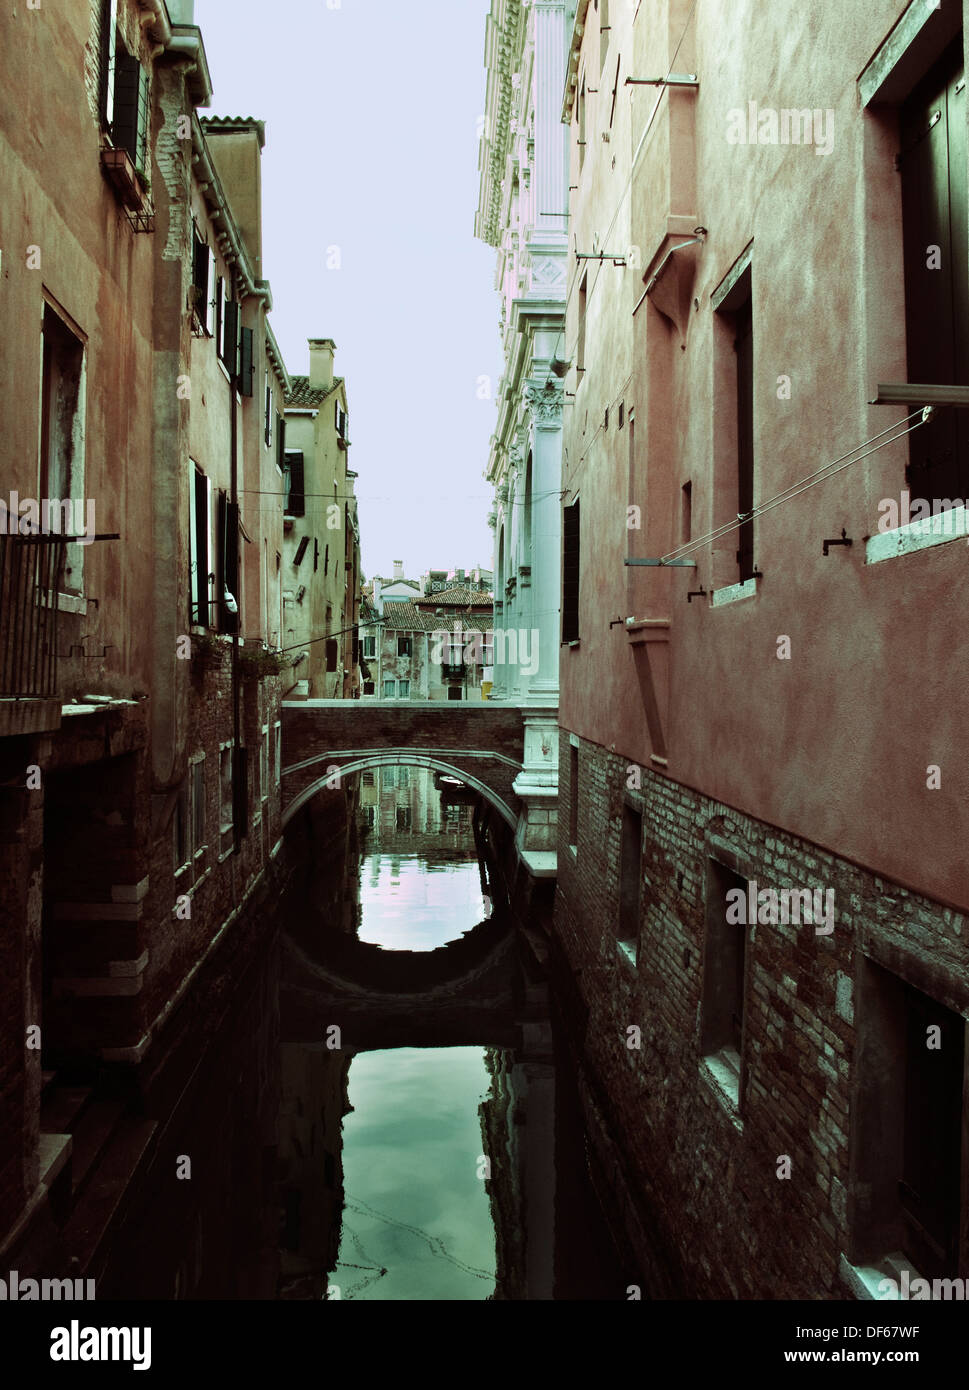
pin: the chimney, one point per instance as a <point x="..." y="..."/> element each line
<point x="398" y="569"/>
<point x="321" y="362"/>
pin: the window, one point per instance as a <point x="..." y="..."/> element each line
<point x="403" y="818"/>
<point x="574" y="795"/>
<point x="203" y="283"/>
<point x="744" y="348"/>
<point x="403" y="777"/>
<point x="181" y="829"/>
<point x="603" y="32"/>
<point x="630" y="875"/>
<point x="293" y="483"/>
<point x="581" y="115"/>
<point x="583" y="302"/>
<point x="62" y="414"/>
<point x="269" y="410"/>
<point x="403" y="646"/>
<point x="225" y="800"/>
<point x="123" y="91"/>
<point x="368" y="687"/>
<point x="724" y="967"/>
<point x="404" y="690"/>
<point x="735" y="366"/>
<point x="369" y="647"/>
<point x="228" y="589"/>
<point x="247" y="366"/>
<point x="326" y="559"/>
<point x="455" y="692"/>
<point x="199" y="547"/>
<point x="909" y="1157"/>
<point x="228" y="329"/>
<point x="332" y="653"/>
<point x="198" y="806"/>
<point x="279" y="752"/>
<point x="264" y="764"/>
<point x="686" y="513"/>
<point x="570" y="573"/>
<point x="370" y="815"/>
<point x="367" y="777"/>
<point x="219" y="315"/>
<point x="934" y="216"/>
<point x="280" y="439"/>
<point x="390" y="689"/>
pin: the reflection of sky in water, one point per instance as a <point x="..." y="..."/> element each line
<point x="414" y="1202"/>
<point x="411" y="905"/>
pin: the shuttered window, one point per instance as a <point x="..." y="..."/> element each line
<point x="293" y="470"/>
<point x="227" y="569"/>
<point x="200" y="275"/>
<point x="199" y="553"/>
<point x="129" y="125"/>
<point x="745" y="437"/>
<point x="570" y="573"/>
<point x="934" y="204"/>
<point x="246" y="364"/>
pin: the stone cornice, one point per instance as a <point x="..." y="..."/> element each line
<point x="506" y="25"/>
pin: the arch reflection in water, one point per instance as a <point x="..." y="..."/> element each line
<point x="421" y="881"/>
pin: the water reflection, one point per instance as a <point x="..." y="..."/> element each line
<point x="417" y="1221"/>
<point x="420" y="881"/>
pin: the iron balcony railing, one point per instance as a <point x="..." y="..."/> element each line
<point x="31" y="570"/>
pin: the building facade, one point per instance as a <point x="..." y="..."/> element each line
<point x="523" y="213"/>
<point x="762" y="887"/>
<point x="436" y="646"/>
<point x="322" y="542"/>
<point x="139" y="694"/>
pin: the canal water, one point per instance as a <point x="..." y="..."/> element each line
<point x="450" y="1154"/>
<point x="331" y="1126"/>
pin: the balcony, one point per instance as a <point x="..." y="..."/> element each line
<point x="31" y="568"/>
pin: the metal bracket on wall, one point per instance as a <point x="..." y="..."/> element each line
<point x="845" y="540"/>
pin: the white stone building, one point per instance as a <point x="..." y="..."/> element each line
<point x="523" y="213"/>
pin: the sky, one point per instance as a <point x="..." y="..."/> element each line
<point x="372" y="121"/>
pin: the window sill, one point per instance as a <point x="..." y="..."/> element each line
<point x="67" y="603"/>
<point x="918" y="535"/>
<point x="720" y="1072"/>
<point x="866" y="1281"/>
<point x="735" y="593"/>
<point x="628" y="952"/>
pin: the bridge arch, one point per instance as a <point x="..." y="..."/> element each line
<point x="394" y="757"/>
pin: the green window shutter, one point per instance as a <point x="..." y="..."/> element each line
<point x="246" y="364"/>
<point x="127" y="96"/>
<point x="570" y="573"/>
<point x="230" y="335"/>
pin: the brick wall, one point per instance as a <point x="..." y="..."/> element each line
<point x="708" y="1188"/>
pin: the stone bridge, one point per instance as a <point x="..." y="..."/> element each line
<point x="479" y="742"/>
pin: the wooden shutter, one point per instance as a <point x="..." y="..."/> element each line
<point x="331" y="654"/>
<point x="128" y="105"/>
<point x="200" y="275"/>
<point x="227" y="569"/>
<point x="246" y="364"/>
<point x="210" y="299"/>
<point x="200" y="579"/>
<point x="933" y="167"/>
<point x="296" y="505"/>
<point x="230" y="334"/>
<point x="109" y="38"/>
<point x="280" y="439"/>
<point x="240" y="792"/>
<point x="745" y="437"/>
<point x="570" y="573"/>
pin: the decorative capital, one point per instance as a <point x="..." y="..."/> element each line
<point x="546" y="402"/>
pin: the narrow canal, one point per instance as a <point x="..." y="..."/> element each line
<point x="375" y="1100"/>
<point x="459" y="1171"/>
